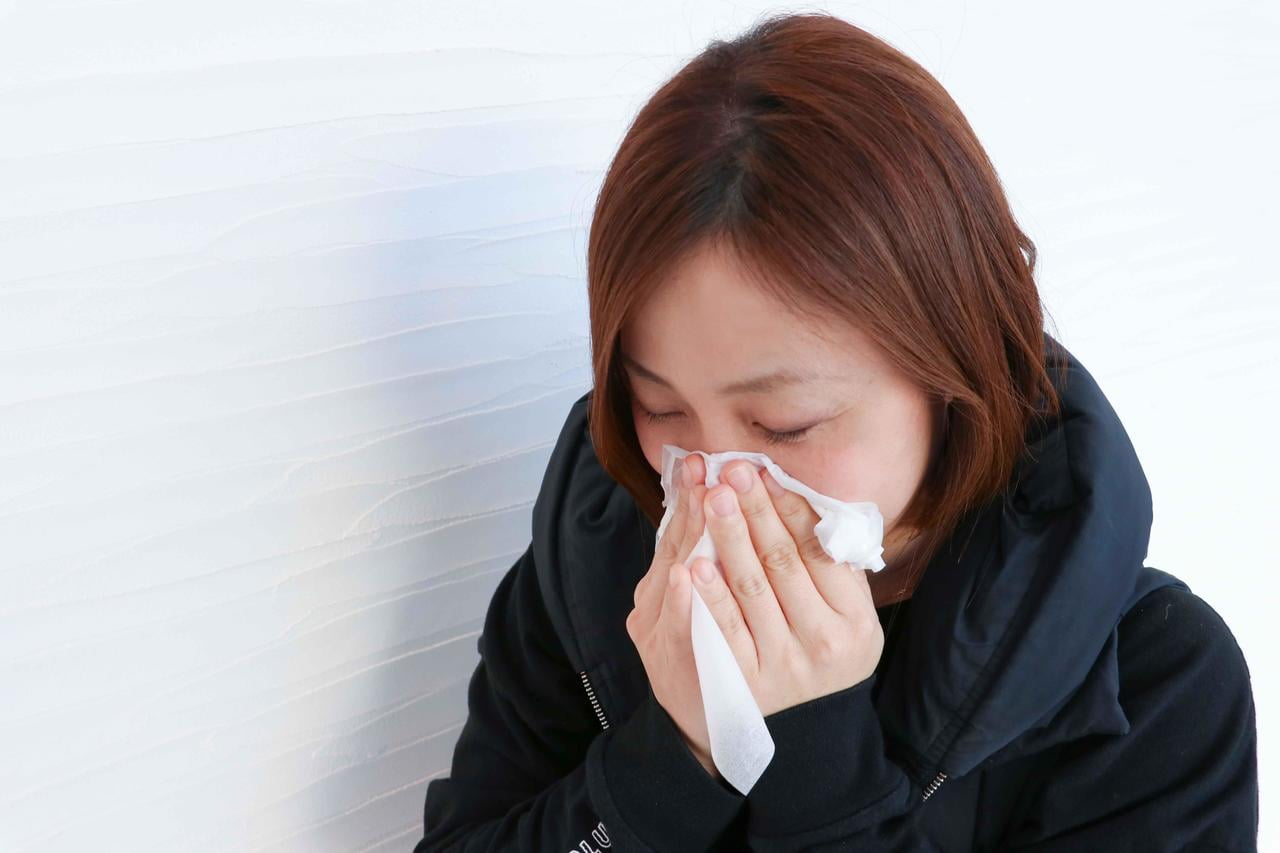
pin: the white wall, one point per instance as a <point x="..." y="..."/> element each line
<point x="292" y="307"/>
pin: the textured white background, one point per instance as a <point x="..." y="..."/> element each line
<point x="292" y="307"/>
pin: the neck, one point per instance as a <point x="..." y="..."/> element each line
<point x="890" y="584"/>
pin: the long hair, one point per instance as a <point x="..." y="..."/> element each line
<point x="852" y="187"/>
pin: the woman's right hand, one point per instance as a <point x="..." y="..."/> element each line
<point x="659" y="624"/>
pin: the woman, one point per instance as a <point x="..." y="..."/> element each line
<point x="807" y="204"/>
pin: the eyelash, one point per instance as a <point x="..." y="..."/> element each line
<point x="789" y="437"/>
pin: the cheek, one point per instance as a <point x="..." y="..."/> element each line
<point x="862" y="476"/>
<point x="884" y="463"/>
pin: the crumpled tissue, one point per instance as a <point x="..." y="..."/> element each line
<point x="850" y="532"/>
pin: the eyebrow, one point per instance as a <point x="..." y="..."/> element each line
<point x="761" y="384"/>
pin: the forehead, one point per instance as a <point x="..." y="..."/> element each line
<point x="708" y="296"/>
<point x="708" y="317"/>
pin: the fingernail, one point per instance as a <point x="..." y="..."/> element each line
<point x="706" y="572"/>
<point x="772" y="485"/>
<point x="723" y="503"/>
<point x="740" y="479"/>
<point x="673" y="576"/>
<point x="684" y="476"/>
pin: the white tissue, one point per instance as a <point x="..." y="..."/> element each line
<point x="850" y="532"/>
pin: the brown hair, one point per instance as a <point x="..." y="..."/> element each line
<point x="849" y="182"/>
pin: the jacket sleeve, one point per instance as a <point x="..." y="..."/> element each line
<point x="831" y="784"/>
<point x="1185" y="775"/>
<point x="532" y="770"/>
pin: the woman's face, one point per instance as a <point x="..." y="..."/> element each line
<point x="868" y="432"/>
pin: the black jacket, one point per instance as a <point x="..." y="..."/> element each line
<point x="1041" y="690"/>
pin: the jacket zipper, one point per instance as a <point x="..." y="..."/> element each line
<point x="595" y="703"/>
<point x="933" y="786"/>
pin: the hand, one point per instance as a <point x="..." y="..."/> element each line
<point x="659" y="625"/>
<point x="800" y="625"/>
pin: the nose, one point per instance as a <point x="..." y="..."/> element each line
<point x="707" y="442"/>
<point x="726" y="440"/>
<point x="727" y="433"/>
<point x="717" y="432"/>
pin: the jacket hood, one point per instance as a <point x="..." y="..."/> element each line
<point x="1009" y="643"/>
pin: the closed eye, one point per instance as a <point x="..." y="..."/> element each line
<point x="771" y="436"/>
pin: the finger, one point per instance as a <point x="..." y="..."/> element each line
<point x="691" y="525"/>
<point x="695" y="523"/>
<point x="691" y="519"/>
<point x="784" y="565"/>
<point x="711" y="587"/>
<point x="862" y="582"/>
<point x="648" y="593"/>
<point x="690" y="472"/>
<point x="834" y="581"/>
<point x="696" y="466"/>
<point x="673" y="617"/>
<point x="745" y="575"/>
<point x="669" y="542"/>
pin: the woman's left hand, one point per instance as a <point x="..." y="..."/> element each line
<point x="800" y="624"/>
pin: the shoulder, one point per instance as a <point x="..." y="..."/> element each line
<point x="1186" y="689"/>
<point x="1172" y="641"/>
<point x="1185" y="772"/>
<point x="578" y="503"/>
<point x="583" y="523"/>
<point x="565" y="465"/>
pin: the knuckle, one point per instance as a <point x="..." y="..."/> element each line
<point x="692" y="530"/>
<point x="779" y="558"/>
<point x="827" y="647"/>
<point x="675" y="639"/>
<point x="718" y="598"/>
<point x="811" y="550"/>
<point x="751" y="586"/>
<point x="731" y="621"/>
<point x="869" y="632"/>
<point x="755" y="510"/>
